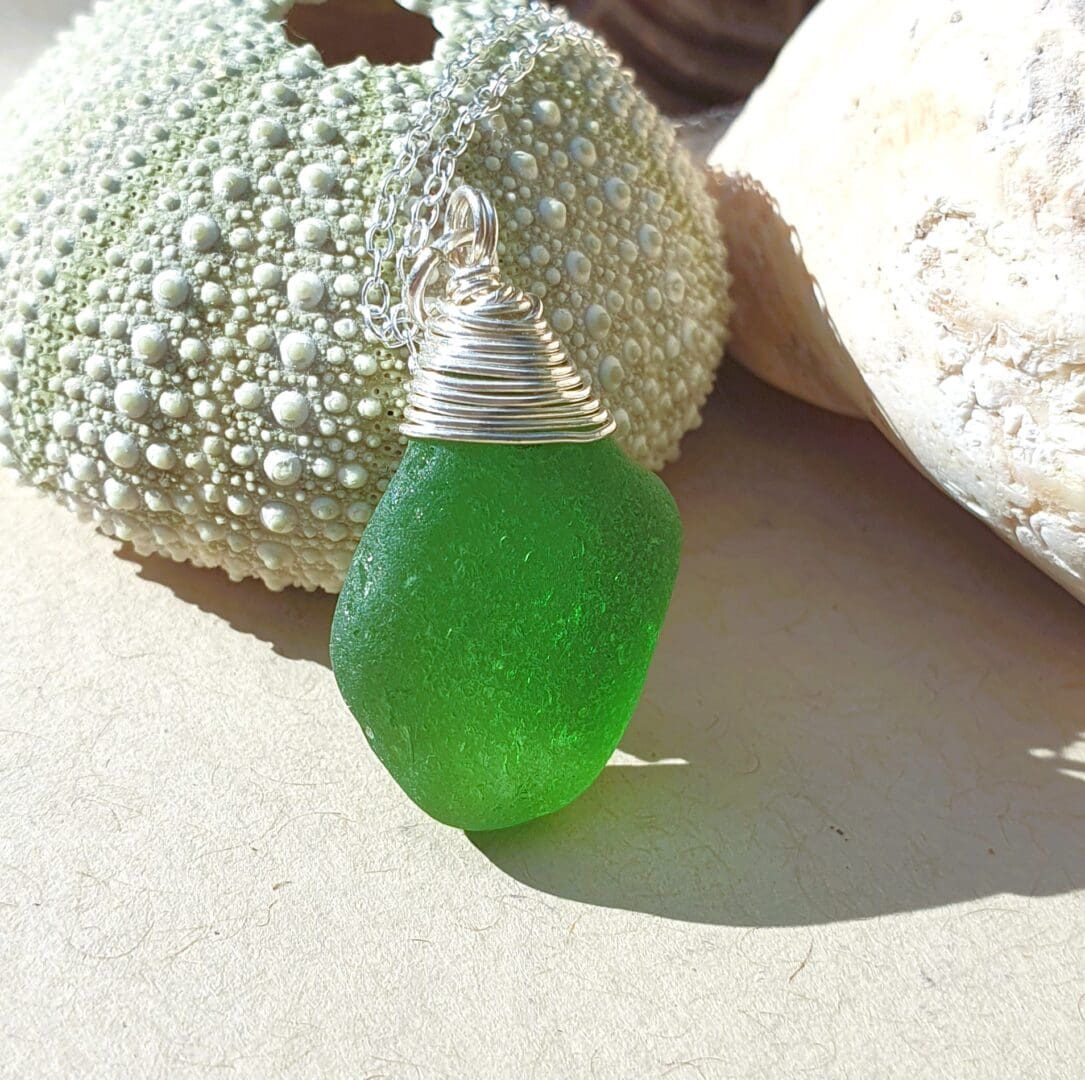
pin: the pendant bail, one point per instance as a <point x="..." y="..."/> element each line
<point x="489" y="368"/>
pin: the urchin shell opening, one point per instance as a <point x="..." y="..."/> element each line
<point x="380" y="31"/>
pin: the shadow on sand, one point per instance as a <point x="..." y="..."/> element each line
<point x="862" y="702"/>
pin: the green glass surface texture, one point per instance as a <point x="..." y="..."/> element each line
<point x="496" y="625"/>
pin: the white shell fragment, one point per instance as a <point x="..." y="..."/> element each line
<point x="905" y="202"/>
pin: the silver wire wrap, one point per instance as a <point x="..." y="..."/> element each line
<point x="489" y="368"/>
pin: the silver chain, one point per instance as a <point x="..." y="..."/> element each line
<point x="533" y="32"/>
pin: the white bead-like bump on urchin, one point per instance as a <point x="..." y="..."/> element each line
<point x="290" y="408"/>
<point x="282" y="467"/>
<point x="200" y="232"/>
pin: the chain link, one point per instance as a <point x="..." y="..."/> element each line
<point x="540" y="31"/>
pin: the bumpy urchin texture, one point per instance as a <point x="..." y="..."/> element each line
<point x="184" y="196"/>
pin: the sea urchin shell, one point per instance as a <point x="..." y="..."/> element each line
<point x="183" y="202"/>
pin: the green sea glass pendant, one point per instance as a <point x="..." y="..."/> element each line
<point x="496" y="625"/>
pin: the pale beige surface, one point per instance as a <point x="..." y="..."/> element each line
<point x="858" y="851"/>
<point x="845" y="836"/>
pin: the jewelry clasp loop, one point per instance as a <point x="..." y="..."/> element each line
<point x="469" y="240"/>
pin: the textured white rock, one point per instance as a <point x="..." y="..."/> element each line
<point x="905" y="198"/>
<point x="183" y="196"/>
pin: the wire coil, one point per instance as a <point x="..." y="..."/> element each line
<point x="489" y="368"/>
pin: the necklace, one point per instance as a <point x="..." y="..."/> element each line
<point x="538" y="31"/>
<point x="518" y="560"/>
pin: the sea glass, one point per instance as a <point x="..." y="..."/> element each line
<point x="496" y="625"/>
